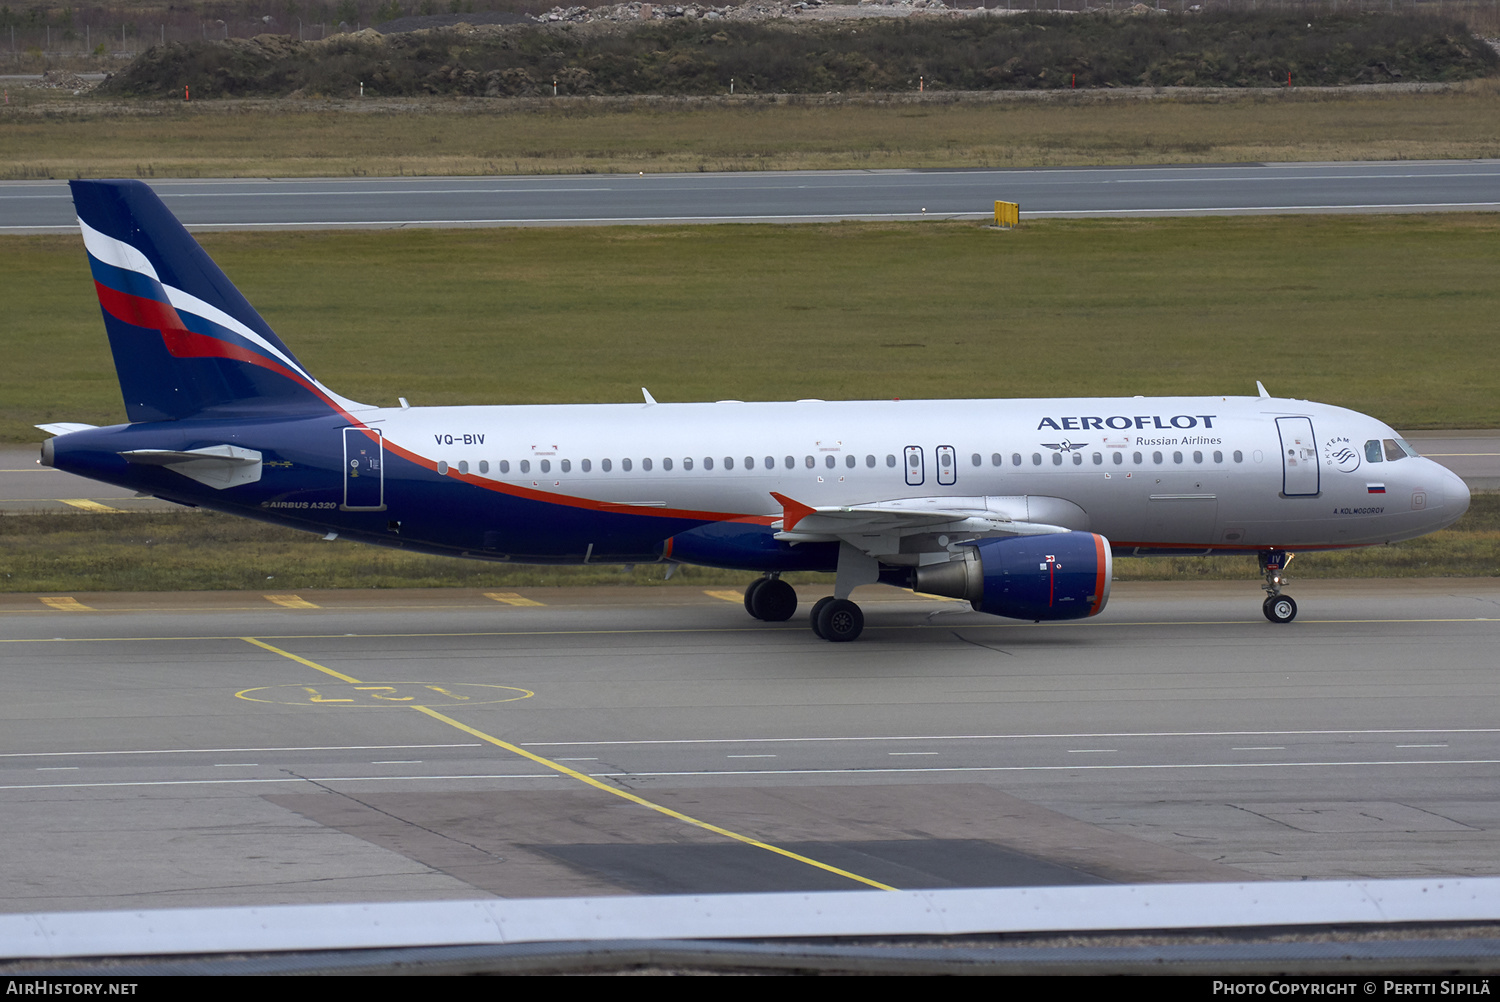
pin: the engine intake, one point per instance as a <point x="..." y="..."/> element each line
<point x="1058" y="576"/>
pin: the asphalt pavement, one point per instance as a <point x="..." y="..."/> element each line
<point x="789" y="196"/>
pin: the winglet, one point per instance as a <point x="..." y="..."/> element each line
<point x="1262" y="390"/>
<point x="792" y="512"/>
<point x="647" y="394"/>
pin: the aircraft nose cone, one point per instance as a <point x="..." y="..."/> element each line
<point x="1455" y="494"/>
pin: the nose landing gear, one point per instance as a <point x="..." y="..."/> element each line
<point x="1278" y="608"/>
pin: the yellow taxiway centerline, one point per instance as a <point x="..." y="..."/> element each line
<point x="589" y="780"/>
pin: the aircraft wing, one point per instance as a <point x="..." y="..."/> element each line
<point x="908" y="525"/>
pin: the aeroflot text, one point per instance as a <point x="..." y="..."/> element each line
<point x="1120" y="422"/>
<point x="1476" y="987"/>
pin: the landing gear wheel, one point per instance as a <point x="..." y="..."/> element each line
<point x="817" y="611"/>
<point x="840" y="621"/>
<point x="774" y="601"/>
<point x="1280" y="609"/>
<point x="750" y="591"/>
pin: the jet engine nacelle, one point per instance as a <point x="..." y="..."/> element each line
<point x="1057" y="576"/>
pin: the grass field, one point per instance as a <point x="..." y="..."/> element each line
<point x="198" y="551"/>
<point x="46" y="134"/>
<point x="1393" y="316"/>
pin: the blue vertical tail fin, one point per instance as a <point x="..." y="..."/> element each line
<point x="185" y="342"/>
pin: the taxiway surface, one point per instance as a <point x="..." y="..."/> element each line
<point x="160" y="750"/>
<point x="789" y="196"/>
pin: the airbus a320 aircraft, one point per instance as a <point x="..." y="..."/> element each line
<point x="1018" y="506"/>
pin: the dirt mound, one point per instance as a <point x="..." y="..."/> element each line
<point x="422" y="22"/>
<point x="699" y="50"/>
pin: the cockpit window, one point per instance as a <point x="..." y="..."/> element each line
<point x="1407" y="448"/>
<point x="1393" y="451"/>
<point x="1372" y="451"/>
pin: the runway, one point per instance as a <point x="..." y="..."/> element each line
<point x="789" y="196"/>
<point x="173" y="750"/>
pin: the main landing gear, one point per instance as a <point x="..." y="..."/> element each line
<point x="1278" y="608"/>
<point x="837" y="619"/>
<point x="834" y="618"/>
<point x="771" y="599"/>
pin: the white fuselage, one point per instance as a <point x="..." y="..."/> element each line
<point x="1173" y="472"/>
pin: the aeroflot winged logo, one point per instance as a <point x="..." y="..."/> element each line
<point x="130" y="290"/>
<point x="1064" y="445"/>
<point x="1119" y="422"/>
<point x="186" y="342"/>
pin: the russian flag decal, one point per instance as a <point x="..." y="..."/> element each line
<point x="1374" y="488"/>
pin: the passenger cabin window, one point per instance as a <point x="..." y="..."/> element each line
<point x="587" y="465"/>
<point x="809" y="462"/>
<point x="646" y="464"/>
<point x="463" y="466"/>
<point x="546" y="466"/>
<point x="1119" y="458"/>
<point x="849" y="461"/>
<point x="625" y="465"/>
<point x="1239" y="457"/>
<point x="1135" y="458"/>
<point x="484" y="466"/>
<point x="997" y="459"/>
<point x="1036" y="459"/>
<point x="791" y="462"/>
<point x="1057" y="459"/>
<point x="870" y="462"/>
<point x="1098" y="459"/>
<point x="1156" y="457"/>
<point x="890" y="460"/>
<point x="978" y="459"/>
<point x="525" y="466"/>
<point x="1218" y="456"/>
<point x="442" y="468"/>
<point x="1015" y="459"/>
<point x="504" y="466"/>
<point x="829" y="461"/>
<point x="687" y="463"/>
<point x="666" y="464"/>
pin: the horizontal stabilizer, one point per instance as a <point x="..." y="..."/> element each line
<point x="217" y="466"/>
<point x="63" y="427"/>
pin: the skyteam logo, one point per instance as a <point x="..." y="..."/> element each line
<point x="1341" y="455"/>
